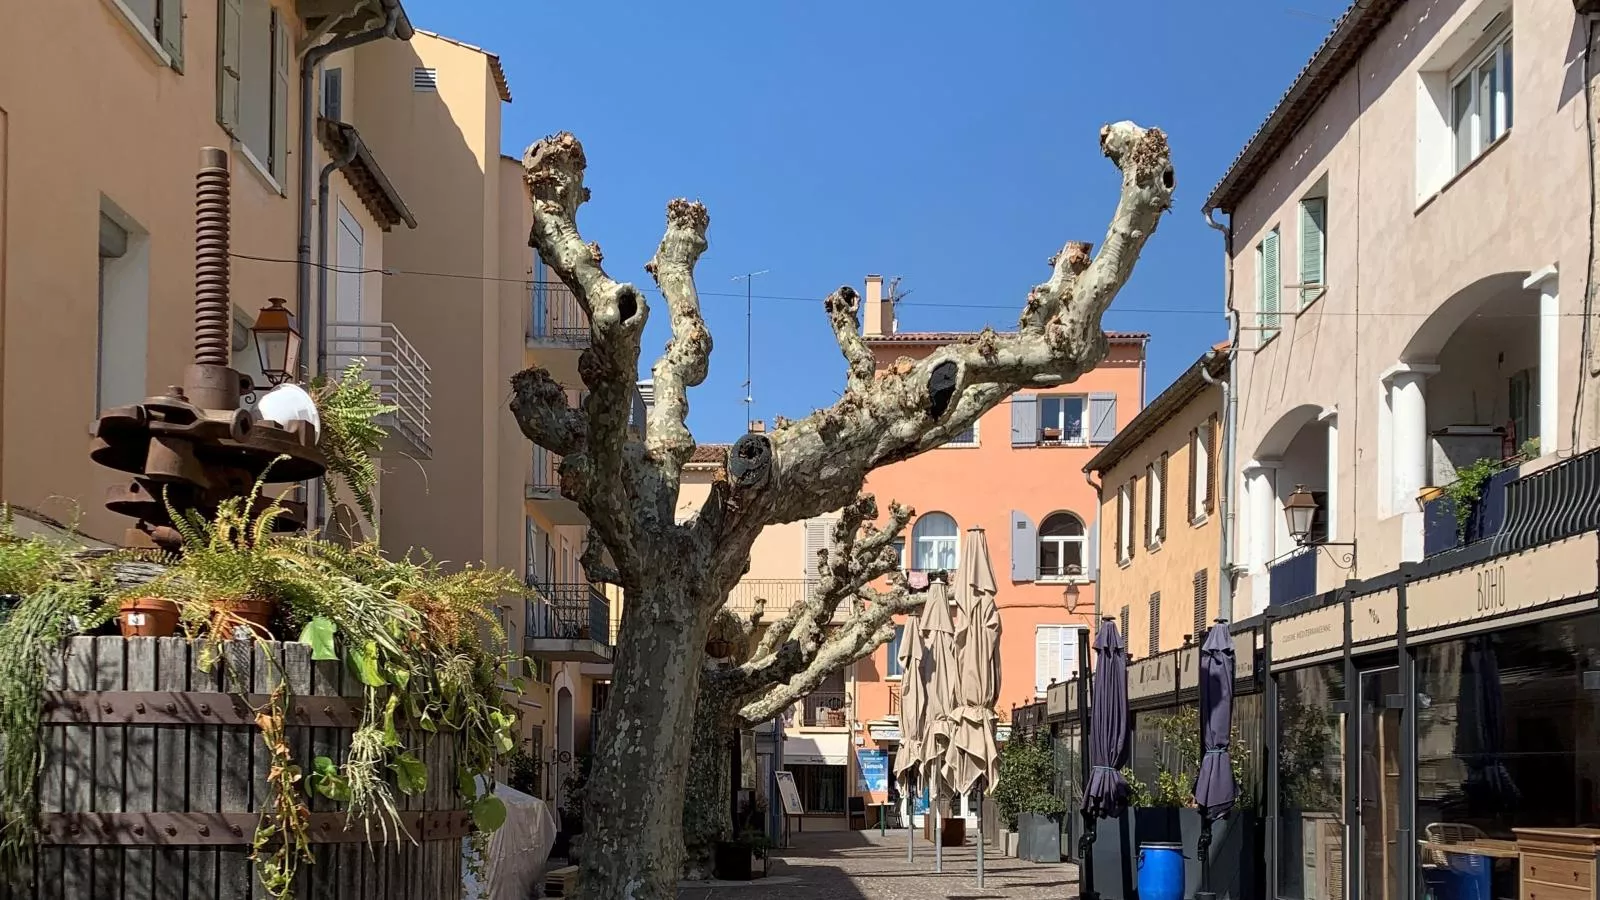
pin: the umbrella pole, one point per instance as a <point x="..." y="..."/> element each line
<point x="980" y="838"/>
<point x="1086" y="860"/>
<point x="1203" y="847"/>
<point x="911" y="828"/>
<point x="938" y="826"/>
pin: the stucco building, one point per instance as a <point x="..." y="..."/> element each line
<point x="1162" y="534"/>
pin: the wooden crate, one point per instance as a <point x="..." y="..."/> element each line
<point x="561" y="882"/>
<point x="154" y="774"/>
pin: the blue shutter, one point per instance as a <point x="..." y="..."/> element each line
<point x="1024" y="548"/>
<point x="1102" y="418"/>
<point x="1024" y="420"/>
<point x="1091" y="552"/>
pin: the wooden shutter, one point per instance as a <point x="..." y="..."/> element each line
<point x="1024" y="548"/>
<point x="1148" y="534"/>
<point x="1046" y="656"/>
<point x="1194" y="474"/>
<point x="169" y="30"/>
<point x="1212" y="437"/>
<point x="1067" y="640"/>
<point x="282" y="55"/>
<point x="1102" y="418"/>
<point x="1133" y="516"/>
<point x="1024" y="420"/>
<point x="230" y="22"/>
<point x="1161" y="501"/>
<point x="1155" y="623"/>
<point x="817" y="540"/>
<point x="1201" y="589"/>
<point x="1122" y="511"/>
<point x="1313" y="219"/>
<point x="1124" y="623"/>
<point x="1269" y="284"/>
<point x="1091" y="552"/>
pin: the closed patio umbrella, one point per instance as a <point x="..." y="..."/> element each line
<point x="1215" y="790"/>
<point x="1105" y="795"/>
<point x="913" y="698"/>
<point x="938" y="680"/>
<point x="1488" y="786"/>
<point x="971" y="757"/>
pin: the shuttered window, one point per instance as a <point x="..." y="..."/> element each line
<point x="1123" y="623"/>
<point x="1201" y="589"/>
<point x="1268" y="285"/>
<point x="819" y="537"/>
<point x="892" y="668"/>
<point x="1155" y="623"/>
<point x="1313" y="248"/>
<point x="1161" y="498"/>
<point x="254" y="58"/>
<point x="1055" y="655"/>
<point x="1210" y="433"/>
<point x="159" y="23"/>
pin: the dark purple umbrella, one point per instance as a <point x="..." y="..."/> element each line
<point x="1106" y="794"/>
<point x="1215" y="789"/>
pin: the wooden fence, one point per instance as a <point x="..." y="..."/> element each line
<point x="154" y="773"/>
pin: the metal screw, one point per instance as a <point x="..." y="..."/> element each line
<point x="74" y="829"/>
<point x="205" y="830"/>
<point x="106" y="707"/>
<point x="172" y="707"/>
<point x="237" y="831"/>
<point x="205" y="709"/>
<point x="138" y="831"/>
<point x="139" y="708"/>
<point x="171" y="831"/>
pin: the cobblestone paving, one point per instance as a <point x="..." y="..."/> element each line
<point x="863" y="866"/>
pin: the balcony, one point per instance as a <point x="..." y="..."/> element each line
<point x="781" y="594"/>
<point x="824" y="709"/>
<point x="400" y="374"/>
<point x="569" y="623"/>
<point x="544" y="490"/>
<point x="1292" y="576"/>
<point x="558" y="330"/>
<point x="1441" y="531"/>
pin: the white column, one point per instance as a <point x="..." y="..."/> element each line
<point x="1261" y="477"/>
<point x="1547" y="282"/>
<point x="1408" y="431"/>
<point x="1331" y="417"/>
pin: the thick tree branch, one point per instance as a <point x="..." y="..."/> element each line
<point x="842" y="307"/>
<point x="684" y="363"/>
<point x="539" y="405"/>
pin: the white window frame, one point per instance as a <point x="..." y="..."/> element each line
<point x="1063" y="633"/>
<point x="934" y="542"/>
<point x="1060" y="422"/>
<point x="1269" y="321"/>
<point x="1503" y="106"/>
<point x="1125" y="529"/>
<point x="152" y="33"/>
<point x="893" y="648"/>
<point x="1155" y="501"/>
<point x="955" y="444"/>
<point x="1061" y="543"/>
<point x="1200" y="446"/>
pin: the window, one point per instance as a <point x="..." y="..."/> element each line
<point x="1155" y="623"/>
<point x="893" y="669"/>
<point x="1268" y="281"/>
<point x="333" y="94"/>
<point x="255" y="53"/>
<point x="124" y="312"/>
<point x="1524" y="404"/>
<point x="1061" y="539"/>
<point x="1200" y="472"/>
<point x="1122" y="623"/>
<point x="1201" y="589"/>
<point x="1055" y="655"/>
<point x="968" y="438"/>
<point x="1125" y="522"/>
<point x="934" y="537"/>
<point x="159" y="23"/>
<point x="1155" y="502"/>
<point x="1313" y="248"/>
<point x="821" y="788"/>
<point x="1063" y="419"/>
<point x="1480" y="102"/>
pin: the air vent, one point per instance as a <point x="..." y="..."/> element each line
<point x="425" y="80"/>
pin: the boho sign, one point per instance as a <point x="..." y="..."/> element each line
<point x="1564" y="570"/>
<point x="1317" y="631"/>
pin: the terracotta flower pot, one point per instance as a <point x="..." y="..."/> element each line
<point x="147" y="617"/>
<point x="257" y="614"/>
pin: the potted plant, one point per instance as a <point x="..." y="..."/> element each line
<point x="141" y="615"/>
<point x="1026" y="800"/>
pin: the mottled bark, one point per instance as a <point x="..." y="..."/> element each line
<point x="676" y="576"/>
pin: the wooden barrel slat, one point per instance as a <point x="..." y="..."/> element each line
<point x="112" y="776"/>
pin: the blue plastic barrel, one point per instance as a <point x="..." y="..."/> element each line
<point x="1160" y="872"/>
<point x="1472" y="873"/>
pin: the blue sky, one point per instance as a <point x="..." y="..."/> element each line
<point x="954" y="148"/>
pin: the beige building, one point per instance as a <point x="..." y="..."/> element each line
<point x="1409" y="242"/>
<point x="1161" y="514"/>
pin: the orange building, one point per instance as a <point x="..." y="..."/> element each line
<point x="1019" y="477"/>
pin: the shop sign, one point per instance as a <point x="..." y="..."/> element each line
<point x="1549" y="574"/>
<point x="1317" y="631"/>
<point x="1189" y="668"/>
<point x="1375" y="617"/>
<point x="884" y="733"/>
<point x="1002" y="732"/>
<point x="1151" y="677"/>
<point x="1245" y="646"/>
<point x="1055" y="698"/>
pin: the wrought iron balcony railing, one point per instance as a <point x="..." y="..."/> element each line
<point x="400" y="374"/>
<point x="558" y="320"/>
<point x="569" y="612"/>
<point x="824" y="709"/>
<point x="780" y="594"/>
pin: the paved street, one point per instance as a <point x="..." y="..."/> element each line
<point x="862" y="866"/>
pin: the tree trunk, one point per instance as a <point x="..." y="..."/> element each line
<point x="708" y="795"/>
<point x="632" y="847"/>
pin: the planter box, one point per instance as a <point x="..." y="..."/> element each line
<point x="1237" y="870"/>
<point x="732" y="861"/>
<point x="1038" y="838"/>
<point x="1008" y="843"/>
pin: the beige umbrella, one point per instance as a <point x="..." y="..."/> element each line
<point x="938" y="680"/>
<point x="908" y="759"/>
<point x="971" y="759"/>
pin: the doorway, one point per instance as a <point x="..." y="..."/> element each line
<point x="1379" y="866"/>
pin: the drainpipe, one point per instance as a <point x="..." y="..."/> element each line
<point x="310" y="62"/>
<point x="1230" y="416"/>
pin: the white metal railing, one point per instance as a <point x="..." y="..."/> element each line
<point x="401" y="375"/>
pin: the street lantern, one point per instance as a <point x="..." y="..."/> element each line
<point x="1300" y="508"/>
<point x="277" y="341"/>
<point x="1069" y="594"/>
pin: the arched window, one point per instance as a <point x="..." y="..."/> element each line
<point x="1060" y="545"/>
<point x="934" y="543"/>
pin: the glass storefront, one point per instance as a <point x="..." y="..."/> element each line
<point x="1310" y="836"/>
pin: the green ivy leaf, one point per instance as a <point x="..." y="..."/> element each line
<point x="391" y="736"/>
<point x="319" y="634"/>
<point x="426" y="721"/>
<point x="364" y="663"/>
<point x="326" y="780"/>
<point x="466" y="784"/>
<point x="410" y="774"/>
<point x="489" y="813"/>
<point x="402" y="677"/>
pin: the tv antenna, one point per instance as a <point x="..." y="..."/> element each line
<point x="749" y="279"/>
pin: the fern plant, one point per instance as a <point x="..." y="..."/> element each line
<point x="350" y="407"/>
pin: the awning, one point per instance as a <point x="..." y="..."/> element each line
<point x="816" y="750"/>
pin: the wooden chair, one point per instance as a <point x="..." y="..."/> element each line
<point x="858" y="812"/>
<point x="1446" y="833"/>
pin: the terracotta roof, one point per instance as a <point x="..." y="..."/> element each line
<point x="1177" y="395"/>
<point x="371" y="185"/>
<point x="1338" y="53"/>
<point x="951" y="337"/>
<point x="495" y="69"/>
<point x="709" y="454"/>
